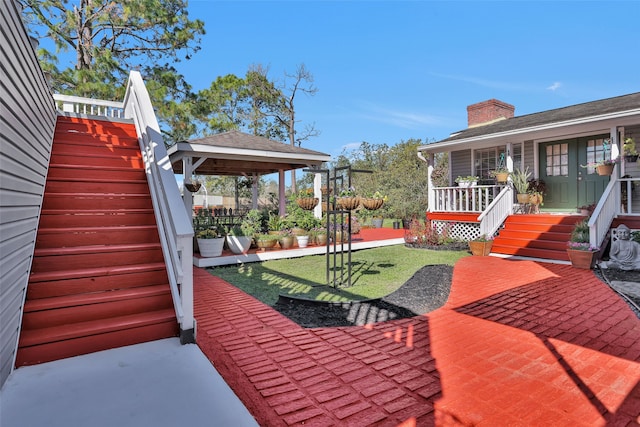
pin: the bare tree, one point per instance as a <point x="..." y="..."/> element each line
<point x="301" y="81"/>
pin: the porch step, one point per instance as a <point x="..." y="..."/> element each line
<point x="91" y="172"/>
<point x="62" y="237"/>
<point x="536" y="235"/>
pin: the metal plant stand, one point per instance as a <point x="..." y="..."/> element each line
<point x="338" y="273"/>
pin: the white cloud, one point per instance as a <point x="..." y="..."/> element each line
<point x="403" y="119"/>
<point x="494" y="84"/>
<point x="554" y="86"/>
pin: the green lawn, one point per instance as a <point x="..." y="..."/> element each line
<point x="375" y="273"/>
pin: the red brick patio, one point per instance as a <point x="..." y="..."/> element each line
<point x="518" y="343"/>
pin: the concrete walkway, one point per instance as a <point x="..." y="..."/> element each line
<point x="518" y="343"/>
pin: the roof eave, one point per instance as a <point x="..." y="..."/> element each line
<point x="444" y="146"/>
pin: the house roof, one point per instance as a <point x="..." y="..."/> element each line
<point x="237" y="153"/>
<point x="535" y="125"/>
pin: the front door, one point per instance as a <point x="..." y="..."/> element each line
<point x="569" y="185"/>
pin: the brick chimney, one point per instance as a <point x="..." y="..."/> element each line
<point x="486" y="112"/>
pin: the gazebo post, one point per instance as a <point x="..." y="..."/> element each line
<point x="187" y="197"/>
<point x="317" y="192"/>
<point x="282" y="202"/>
<point x="254" y="191"/>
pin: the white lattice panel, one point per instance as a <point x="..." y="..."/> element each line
<point x="458" y="230"/>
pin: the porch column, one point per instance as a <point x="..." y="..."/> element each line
<point x="187" y="173"/>
<point x="282" y="201"/>
<point x="254" y="191"/>
<point x="509" y="164"/>
<point x="317" y="192"/>
<point x="431" y="194"/>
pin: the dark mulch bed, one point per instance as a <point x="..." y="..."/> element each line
<point x="427" y="290"/>
<point x="611" y="275"/>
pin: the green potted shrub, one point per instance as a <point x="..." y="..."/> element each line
<point x="265" y="241"/>
<point x="211" y="241"/>
<point x="520" y="181"/>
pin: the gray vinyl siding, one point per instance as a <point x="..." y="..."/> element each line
<point x="27" y="124"/>
<point x="528" y="157"/>
<point x="460" y="164"/>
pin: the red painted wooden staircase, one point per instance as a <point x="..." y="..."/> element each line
<point x="537" y="236"/>
<point x="98" y="278"/>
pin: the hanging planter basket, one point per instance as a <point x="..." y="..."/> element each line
<point x="603" y="170"/>
<point x="348" y="203"/>
<point x="192" y="186"/>
<point x="307" y="203"/>
<point x="326" y="190"/>
<point x="372" y="204"/>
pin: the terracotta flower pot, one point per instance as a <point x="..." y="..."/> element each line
<point x="480" y="248"/>
<point x="582" y="259"/>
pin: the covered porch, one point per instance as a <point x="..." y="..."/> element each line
<point x="559" y="147"/>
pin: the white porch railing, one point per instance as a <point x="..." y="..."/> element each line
<point x="458" y="199"/>
<point x="88" y="106"/>
<point x="174" y="225"/>
<point x="497" y="212"/>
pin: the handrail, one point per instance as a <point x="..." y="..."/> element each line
<point x="174" y="224"/>
<point x="88" y="106"/>
<point x="495" y="214"/>
<point x="605" y="211"/>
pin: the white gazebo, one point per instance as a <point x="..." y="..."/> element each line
<point x="236" y="153"/>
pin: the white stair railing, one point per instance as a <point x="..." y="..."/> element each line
<point x="497" y="212"/>
<point x="605" y="211"/>
<point x="174" y="224"/>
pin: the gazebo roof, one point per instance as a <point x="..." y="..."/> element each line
<point x="236" y="153"/>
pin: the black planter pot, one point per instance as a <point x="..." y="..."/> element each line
<point x="406" y="224"/>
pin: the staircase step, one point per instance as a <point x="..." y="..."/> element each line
<point x="57" y="311"/>
<point x="548" y="219"/>
<point x="100" y="150"/>
<point x="47" y="344"/>
<point x="533" y="235"/>
<point x="48" y="284"/>
<point x="69" y="218"/>
<point x="98" y="186"/>
<point x="85" y="201"/>
<point x="530" y="252"/>
<point x="95" y="256"/>
<point x="96" y="127"/>
<point x="105" y="161"/>
<point x="108" y="235"/>
<point x="539" y="227"/>
<point x="531" y="243"/>
<point x="87" y="172"/>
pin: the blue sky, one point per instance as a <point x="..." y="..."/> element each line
<point x="388" y="71"/>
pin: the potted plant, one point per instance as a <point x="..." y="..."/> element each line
<point x="467" y="181"/>
<point x="306" y="199"/>
<point x="520" y="181"/>
<point x="285" y="239"/>
<point x="319" y="235"/>
<point x="536" y="189"/>
<point x="211" y="241"/>
<point x="348" y="199"/>
<point x="239" y="240"/>
<point x="274" y="223"/>
<point x="586" y="209"/>
<point x="265" y="241"/>
<point x="630" y="152"/>
<point x="377" y="221"/>
<point x="580" y="251"/>
<point x="481" y="245"/>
